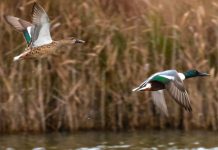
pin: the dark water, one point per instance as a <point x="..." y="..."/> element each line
<point x="111" y="140"/>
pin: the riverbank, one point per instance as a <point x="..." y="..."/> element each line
<point x="171" y="139"/>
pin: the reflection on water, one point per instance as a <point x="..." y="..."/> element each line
<point x="111" y="140"/>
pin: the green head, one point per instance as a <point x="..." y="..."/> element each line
<point x="194" y="73"/>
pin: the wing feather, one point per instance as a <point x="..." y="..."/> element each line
<point x="20" y="25"/>
<point x="41" y="33"/>
<point x="159" y="101"/>
<point x="17" y="23"/>
<point x="177" y="90"/>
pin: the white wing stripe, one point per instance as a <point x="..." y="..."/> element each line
<point x="168" y="77"/>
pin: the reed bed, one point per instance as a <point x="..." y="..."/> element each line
<point x="89" y="86"/>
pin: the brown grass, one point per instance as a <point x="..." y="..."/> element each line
<point x="89" y="86"/>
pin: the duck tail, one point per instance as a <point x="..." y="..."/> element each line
<point x="135" y="89"/>
<point x="146" y="87"/>
<point x="16" y="58"/>
<point x="21" y="56"/>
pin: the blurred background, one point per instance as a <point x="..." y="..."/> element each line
<point x="89" y="87"/>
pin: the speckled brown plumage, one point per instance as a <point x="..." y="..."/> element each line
<point x="41" y="51"/>
<point x="46" y="50"/>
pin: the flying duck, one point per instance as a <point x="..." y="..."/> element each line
<point x="37" y="34"/>
<point x="172" y="81"/>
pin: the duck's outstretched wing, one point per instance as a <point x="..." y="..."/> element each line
<point x="41" y="33"/>
<point x="20" y="25"/>
<point x="177" y="90"/>
<point x="159" y="101"/>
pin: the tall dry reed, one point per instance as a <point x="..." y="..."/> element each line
<point x="89" y="86"/>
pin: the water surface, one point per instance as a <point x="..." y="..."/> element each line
<point x="112" y="140"/>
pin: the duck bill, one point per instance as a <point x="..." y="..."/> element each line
<point x="79" y="41"/>
<point x="203" y="74"/>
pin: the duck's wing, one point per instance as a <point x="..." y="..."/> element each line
<point x="20" y="25"/>
<point x="177" y="90"/>
<point x="159" y="101"/>
<point x="41" y="32"/>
